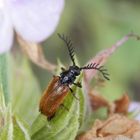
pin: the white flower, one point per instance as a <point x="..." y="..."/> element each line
<point x="135" y="107"/>
<point x="33" y="20"/>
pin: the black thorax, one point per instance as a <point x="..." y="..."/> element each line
<point x="68" y="77"/>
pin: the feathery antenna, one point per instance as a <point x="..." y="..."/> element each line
<point x="68" y="43"/>
<point x="97" y="67"/>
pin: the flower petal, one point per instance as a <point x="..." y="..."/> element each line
<point x="6" y="32"/>
<point x="35" y="20"/>
<point x="135" y="106"/>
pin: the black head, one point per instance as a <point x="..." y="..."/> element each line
<point x="75" y="70"/>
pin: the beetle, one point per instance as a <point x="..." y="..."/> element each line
<point x="58" y="88"/>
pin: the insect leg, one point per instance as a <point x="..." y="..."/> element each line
<point x="78" y="84"/>
<point x="63" y="69"/>
<point x="49" y="118"/>
<point x="62" y="105"/>
<point x="71" y="90"/>
<point x="73" y="94"/>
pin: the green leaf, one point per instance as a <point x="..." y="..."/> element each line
<point x="2" y="109"/>
<point x="70" y="130"/>
<point x="4" y="76"/>
<point x="83" y="106"/>
<point x="25" y="90"/>
<point x="65" y="124"/>
<point x="2" y="101"/>
<point x="20" y="130"/>
<point x="14" y="128"/>
<point x="38" y="124"/>
<point x="51" y="129"/>
<point x="11" y="127"/>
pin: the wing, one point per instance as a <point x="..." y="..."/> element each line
<point x="52" y="97"/>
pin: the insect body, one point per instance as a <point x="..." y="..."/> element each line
<point x="53" y="97"/>
<point x="60" y="85"/>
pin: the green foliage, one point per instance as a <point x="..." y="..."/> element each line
<point x="26" y="92"/>
<point x="11" y="127"/>
<point x="4" y="76"/>
<point x="23" y="115"/>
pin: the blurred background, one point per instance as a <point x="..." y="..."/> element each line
<point x="94" y="26"/>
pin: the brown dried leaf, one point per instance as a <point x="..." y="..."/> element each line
<point x="97" y="101"/>
<point x="118" y="106"/>
<point x="114" y="128"/>
<point x="102" y="57"/>
<point x="35" y="54"/>
<point x="136" y="136"/>
<point x="120" y="137"/>
<point x="122" y="104"/>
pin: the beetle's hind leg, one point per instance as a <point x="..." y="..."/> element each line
<point x="50" y="117"/>
<point x="73" y="94"/>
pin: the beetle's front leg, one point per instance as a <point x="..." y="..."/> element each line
<point x="63" y="69"/>
<point x="73" y="94"/>
<point x="78" y="84"/>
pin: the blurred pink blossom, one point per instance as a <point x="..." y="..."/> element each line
<point x="33" y="20"/>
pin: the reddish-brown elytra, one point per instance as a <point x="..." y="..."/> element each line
<point x="53" y="97"/>
<point x="58" y="88"/>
